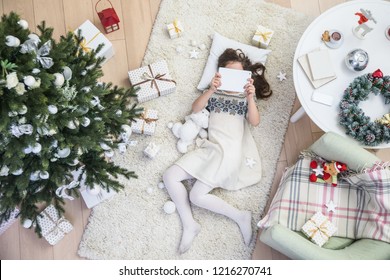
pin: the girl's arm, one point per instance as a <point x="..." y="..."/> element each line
<point x="202" y="100"/>
<point x="253" y="116"/>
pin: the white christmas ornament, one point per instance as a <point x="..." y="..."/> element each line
<point x="169" y="207"/>
<point x="17" y="172"/>
<point x="22" y="120"/>
<point x="12" y="80"/>
<point x="67" y="73"/>
<point x="26" y="129"/>
<point x="36" y="71"/>
<point x="12" y="114"/>
<point x="281" y="76"/>
<point x="118" y="113"/>
<point x="59" y="79"/>
<point x="34" y="37"/>
<point x="27" y="223"/>
<point x="161" y="185"/>
<point x="12" y="41"/>
<point x="109" y="153"/>
<point x="4" y="170"/>
<point x="52" y="109"/>
<point x="23" y="24"/>
<point x="74" y="162"/>
<point x="73" y="124"/>
<point x="22" y="110"/>
<point x="44" y="175"/>
<point x="63" y="153"/>
<point x="104" y="146"/>
<point x="85" y="121"/>
<point x="36" y="148"/>
<point x="95" y="190"/>
<point x="29" y="81"/>
<point x="27" y="150"/>
<point x="83" y="73"/>
<point x="34" y="176"/>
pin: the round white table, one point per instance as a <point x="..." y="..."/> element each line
<point x="342" y="18"/>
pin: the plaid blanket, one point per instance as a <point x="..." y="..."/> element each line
<point x="362" y="202"/>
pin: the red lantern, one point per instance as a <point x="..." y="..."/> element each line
<point x="108" y="18"/>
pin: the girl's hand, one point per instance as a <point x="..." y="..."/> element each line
<point x="250" y="90"/>
<point x="215" y="82"/>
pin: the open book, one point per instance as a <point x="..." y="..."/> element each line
<point x="317" y="67"/>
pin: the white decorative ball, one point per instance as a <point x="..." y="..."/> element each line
<point x="17" y="172"/>
<point x="193" y="43"/>
<point x="63" y="153"/>
<point x="29" y="81"/>
<point x="23" y="110"/>
<point x="36" y="148"/>
<point x="36" y="71"/>
<point x="149" y="190"/>
<point x="52" y="109"/>
<point x="34" y="176"/>
<point x="95" y="190"/>
<point x="27" y="150"/>
<point x="12" y="113"/>
<point x="170" y="125"/>
<point x="27" y="223"/>
<point x="169" y="207"/>
<point x="23" y="23"/>
<point x="34" y="37"/>
<point x="83" y="73"/>
<point x="74" y="162"/>
<point x="118" y="113"/>
<point x="161" y="185"/>
<point x="12" y="41"/>
<point x="44" y="175"/>
<point x="85" y="121"/>
<point x="59" y="79"/>
<point x="67" y="73"/>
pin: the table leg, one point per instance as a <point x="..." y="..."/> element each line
<point x="297" y="115"/>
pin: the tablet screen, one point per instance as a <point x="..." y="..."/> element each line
<point x="233" y="80"/>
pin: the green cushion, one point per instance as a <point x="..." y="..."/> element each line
<point x="334" y="242"/>
<point x="294" y="246"/>
<point x="332" y="146"/>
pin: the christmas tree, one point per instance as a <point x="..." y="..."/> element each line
<point x="59" y="126"/>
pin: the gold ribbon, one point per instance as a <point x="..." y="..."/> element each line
<point x="152" y="79"/>
<point x="265" y="35"/>
<point x="84" y="44"/>
<point x="175" y="26"/>
<point x="321" y="228"/>
<point x="384" y="120"/>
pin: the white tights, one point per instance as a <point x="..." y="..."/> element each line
<point x="199" y="195"/>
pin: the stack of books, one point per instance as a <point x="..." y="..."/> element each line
<point x="318" y="67"/>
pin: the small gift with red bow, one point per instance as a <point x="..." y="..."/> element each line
<point x="146" y="123"/>
<point x="92" y="38"/>
<point x="319" y="229"/>
<point x="53" y="225"/>
<point x="262" y="37"/>
<point x="153" y="81"/>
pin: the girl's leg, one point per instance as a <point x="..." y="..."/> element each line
<point x="200" y="196"/>
<point x="173" y="178"/>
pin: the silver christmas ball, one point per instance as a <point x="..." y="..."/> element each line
<point x="67" y="73"/>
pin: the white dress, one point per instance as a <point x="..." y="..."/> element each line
<point x="229" y="158"/>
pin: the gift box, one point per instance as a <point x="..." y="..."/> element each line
<point x="151" y="150"/>
<point x="93" y="38"/>
<point x="53" y="226"/>
<point x="153" y="80"/>
<point x="146" y="124"/>
<point x="6" y="224"/>
<point x="175" y="29"/>
<point x="318" y="229"/>
<point x="262" y="37"/>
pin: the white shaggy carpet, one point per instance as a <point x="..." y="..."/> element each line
<point x="133" y="225"/>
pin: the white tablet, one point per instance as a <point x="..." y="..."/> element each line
<point x="233" y="80"/>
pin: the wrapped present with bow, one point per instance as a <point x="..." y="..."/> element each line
<point x="53" y="226"/>
<point x="146" y="124"/>
<point x="153" y="81"/>
<point x="175" y="29"/>
<point x="262" y="37"/>
<point x="318" y="229"/>
<point x="92" y="38"/>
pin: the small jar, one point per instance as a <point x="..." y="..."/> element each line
<point x="357" y="60"/>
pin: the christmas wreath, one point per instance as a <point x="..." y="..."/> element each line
<point x="353" y="119"/>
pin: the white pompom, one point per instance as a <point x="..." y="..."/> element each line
<point x="95" y="190"/>
<point x="149" y="190"/>
<point x="169" y="207"/>
<point x="29" y="81"/>
<point x="23" y="23"/>
<point x="12" y="41"/>
<point x="27" y="223"/>
<point x="170" y="125"/>
<point x="52" y="109"/>
<point x="59" y="79"/>
<point x="161" y="185"/>
<point x="67" y="72"/>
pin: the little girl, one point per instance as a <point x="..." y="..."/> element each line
<point x="229" y="158"/>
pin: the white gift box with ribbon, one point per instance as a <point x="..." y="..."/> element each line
<point x="262" y="37"/>
<point x="175" y="29"/>
<point x="153" y="81"/>
<point x="6" y="224"/>
<point x="319" y="229"/>
<point x="93" y="38"/>
<point x="53" y="226"/>
<point x="146" y="124"/>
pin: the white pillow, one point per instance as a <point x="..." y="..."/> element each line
<point x="219" y="45"/>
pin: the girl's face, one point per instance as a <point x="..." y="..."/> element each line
<point x="234" y="65"/>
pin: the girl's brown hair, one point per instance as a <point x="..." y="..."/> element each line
<point x="263" y="89"/>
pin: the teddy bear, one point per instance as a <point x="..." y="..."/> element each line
<point x="194" y="125"/>
<point x="329" y="171"/>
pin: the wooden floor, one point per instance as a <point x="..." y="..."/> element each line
<point x="137" y="17"/>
